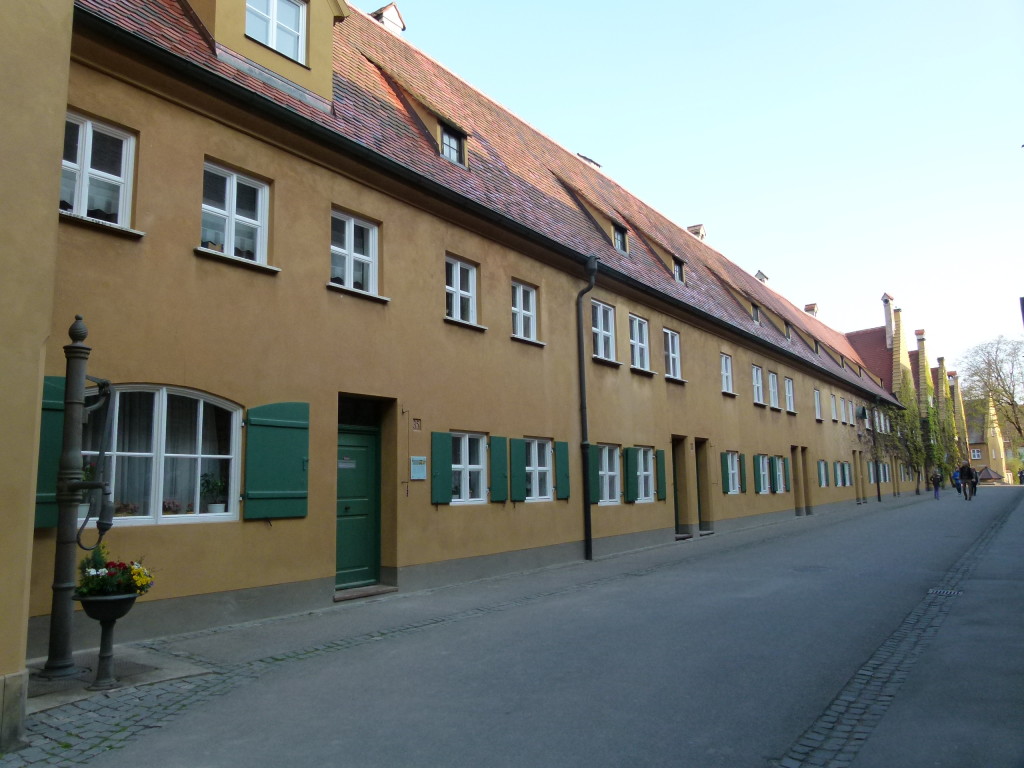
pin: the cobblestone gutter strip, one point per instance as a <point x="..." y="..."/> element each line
<point x="836" y="737"/>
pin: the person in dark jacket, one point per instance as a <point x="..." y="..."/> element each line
<point x="967" y="480"/>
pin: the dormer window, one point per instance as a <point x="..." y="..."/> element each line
<point x="453" y="144"/>
<point x="278" y="24"/>
<point x="621" y="243"/>
<point x="679" y="271"/>
<point x="755" y="313"/>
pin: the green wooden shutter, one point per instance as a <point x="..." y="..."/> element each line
<point x="632" y="485"/>
<point x="277" y="461"/>
<point x="440" y="467"/>
<point x="595" y="474"/>
<point x="562" y="470"/>
<point x="773" y="473"/>
<point x="517" y="468"/>
<point x="785" y="472"/>
<point x="51" y="440"/>
<point x="743" y="473"/>
<point x="757" y="473"/>
<point x="725" y="472"/>
<point x="498" y="468"/>
<point x="659" y="458"/>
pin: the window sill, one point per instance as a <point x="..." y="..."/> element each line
<point x="359" y="294"/>
<point x="775" y="408"/>
<point x="791" y="413"/>
<point x="206" y="253"/>
<point x="101" y="226"/>
<point x="728" y="394"/>
<point x="820" y="420"/>
<point x="675" y="379"/>
<point x="530" y="342"/>
<point x="642" y="372"/>
<point x="464" y="324"/>
<point x="606" y="361"/>
<point x="761" y="405"/>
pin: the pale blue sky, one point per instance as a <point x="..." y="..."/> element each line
<point x="845" y="149"/>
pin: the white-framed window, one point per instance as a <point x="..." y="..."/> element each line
<point x="842" y="410"/>
<point x="175" y="456"/>
<point x="460" y="290"/>
<point x="96" y="171"/>
<point x="538" y="469"/>
<point x="757" y="377"/>
<point x="822" y="473"/>
<point x="609" y="477"/>
<point x="790" y="395"/>
<point x="817" y="404"/>
<point x="871" y="472"/>
<point x="726" y="361"/>
<point x="673" y="364"/>
<point x="278" y="24"/>
<point x="469" y="473"/>
<point x="847" y="473"/>
<point x="524" y="311"/>
<point x="975" y="454"/>
<point x="732" y="459"/>
<point x="234" y="214"/>
<point x="780" y="475"/>
<point x="835" y="411"/>
<point x="761" y="469"/>
<point x="679" y="270"/>
<point x="645" y="474"/>
<point x="639" y="343"/>
<point x="620" y="238"/>
<point x="849" y="408"/>
<point x="353" y="253"/>
<point x="453" y="144"/>
<point x="773" y="389"/>
<point x="603" y="328"/>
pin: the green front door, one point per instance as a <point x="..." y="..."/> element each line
<point x="358" y="508"/>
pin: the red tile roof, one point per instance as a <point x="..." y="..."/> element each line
<point x="513" y="170"/>
<point x="871" y="345"/>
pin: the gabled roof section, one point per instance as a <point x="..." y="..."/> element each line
<point x="871" y="347"/>
<point x="517" y="178"/>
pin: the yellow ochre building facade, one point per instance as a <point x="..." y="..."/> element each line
<point x="341" y="296"/>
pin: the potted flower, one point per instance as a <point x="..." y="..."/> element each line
<point x="213" y="488"/>
<point x="107" y="588"/>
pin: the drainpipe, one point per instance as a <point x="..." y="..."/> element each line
<point x="588" y="534"/>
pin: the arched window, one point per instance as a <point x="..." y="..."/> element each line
<point x="175" y="455"/>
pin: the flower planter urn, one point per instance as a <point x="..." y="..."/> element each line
<point x="106" y="609"/>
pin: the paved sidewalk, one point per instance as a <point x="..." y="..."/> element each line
<point x="889" y="714"/>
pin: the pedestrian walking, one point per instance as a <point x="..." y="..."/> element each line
<point x="956" y="480"/>
<point x="936" y="481"/>
<point x="1020" y="476"/>
<point x="974" y="482"/>
<point x="966" y="473"/>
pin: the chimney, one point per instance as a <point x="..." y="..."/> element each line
<point x="588" y="160"/>
<point x="887" y="306"/>
<point x="390" y="18"/>
<point x="761" y="276"/>
<point x="698" y="231"/>
<point x="811" y="309"/>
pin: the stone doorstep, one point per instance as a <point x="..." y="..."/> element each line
<point x="355" y="593"/>
<point x="132" y="666"/>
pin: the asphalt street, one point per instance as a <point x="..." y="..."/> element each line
<point x="877" y="635"/>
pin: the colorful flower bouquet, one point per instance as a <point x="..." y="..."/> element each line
<point x="98" y="576"/>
